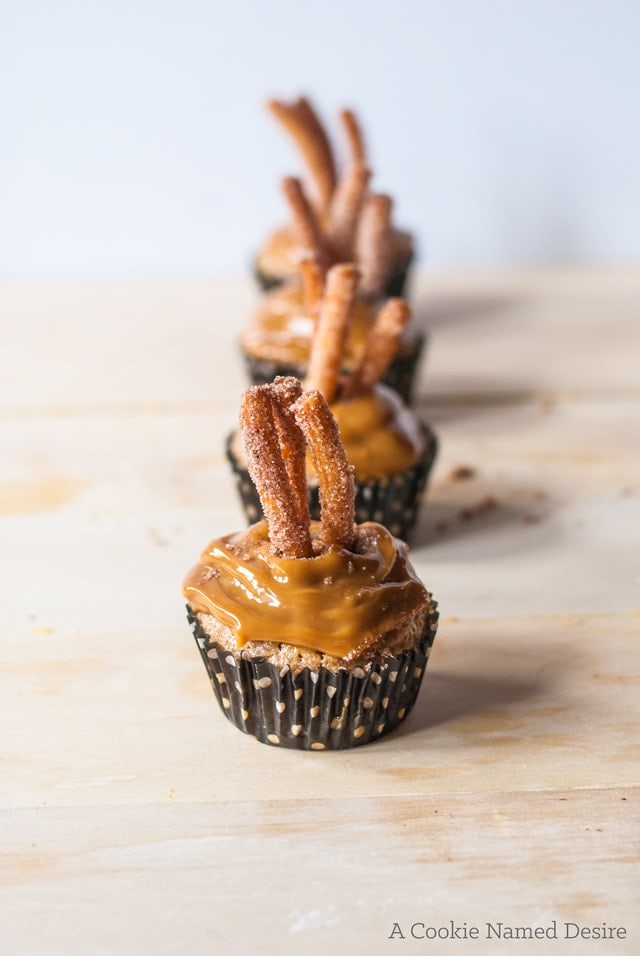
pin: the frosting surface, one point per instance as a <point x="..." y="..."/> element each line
<point x="339" y="602"/>
<point x="380" y="434"/>
<point x="282" y="329"/>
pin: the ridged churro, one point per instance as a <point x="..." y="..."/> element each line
<point x="285" y="391"/>
<point x="373" y="247"/>
<point x="266" y="465"/>
<point x="382" y="345"/>
<point x="313" y="280"/>
<point x="344" y="212"/>
<point x="355" y="139"/>
<point x="302" y="123"/>
<point x="334" y="473"/>
<point x="325" y="359"/>
<point x="304" y="223"/>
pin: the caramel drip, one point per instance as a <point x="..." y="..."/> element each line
<point x="337" y="603"/>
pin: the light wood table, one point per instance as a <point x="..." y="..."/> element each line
<point x="136" y="820"/>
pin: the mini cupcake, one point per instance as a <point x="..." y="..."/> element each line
<point x="340" y="202"/>
<point x="390" y="450"/>
<point x="278" y="339"/>
<point x="315" y="634"/>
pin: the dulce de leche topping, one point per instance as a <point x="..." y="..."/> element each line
<point x="380" y="434"/>
<point x="282" y="329"/>
<point x="341" y="602"/>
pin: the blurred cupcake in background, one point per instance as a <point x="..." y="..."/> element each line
<point x="390" y="449"/>
<point x="277" y="340"/>
<point x="340" y="200"/>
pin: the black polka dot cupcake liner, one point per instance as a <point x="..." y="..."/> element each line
<point x="393" y="501"/>
<point x="400" y="375"/>
<point x="315" y="710"/>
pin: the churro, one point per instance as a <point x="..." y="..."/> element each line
<point x="344" y="212"/>
<point x="277" y="422"/>
<point x="325" y="359"/>
<point x="313" y="278"/>
<point x="373" y="246"/>
<point x="289" y="537"/>
<point x="334" y="473"/>
<point x="382" y="345"/>
<point x="302" y="123"/>
<point x="285" y="391"/>
<point x="305" y="226"/>
<point x="355" y="139"/>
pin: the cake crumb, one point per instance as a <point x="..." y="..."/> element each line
<point x="474" y="511"/>
<point x="462" y="473"/>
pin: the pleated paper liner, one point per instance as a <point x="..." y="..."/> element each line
<point x="315" y="710"/>
<point x="400" y="375"/>
<point x="393" y="501"/>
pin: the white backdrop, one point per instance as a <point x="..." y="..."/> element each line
<point x="134" y="142"/>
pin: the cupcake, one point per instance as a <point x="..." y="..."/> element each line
<point x="277" y="340"/>
<point x="340" y="203"/>
<point x="315" y="634"/>
<point x="389" y="448"/>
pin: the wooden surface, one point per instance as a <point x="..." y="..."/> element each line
<point x="136" y="820"/>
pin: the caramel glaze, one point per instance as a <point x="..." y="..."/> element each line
<point x="380" y="434"/>
<point x="280" y="255"/>
<point x="340" y="602"/>
<point x="281" y="330"/>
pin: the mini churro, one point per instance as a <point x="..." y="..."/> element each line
<point x="266" y="465"/>
<point x="301" y="122"/>
<point x="313" y="279"/>
<point x="344" y="212"/>
<point x="304" y="223"/>
<point x="382" y="345"/>
<point x="355" y="139"/>
<point x="286" y="390"/>
<point x="335" y="475"/>
<point x="331" y="331"/>
<point x="373" y="247"/>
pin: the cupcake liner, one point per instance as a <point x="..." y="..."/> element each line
<point x="393" y="501"/>
<point x="396" y="284"/>
<point x="315" y="710"/>
<point x="402" y="371"/>
<point x="400" y="375"/>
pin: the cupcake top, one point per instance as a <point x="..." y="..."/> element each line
<point x="381" y="434"/>
<point x="282" y="328"/>
<point x="348" y="347"/>
<point x="346" y="592"/>
<point x="346" y="214"/>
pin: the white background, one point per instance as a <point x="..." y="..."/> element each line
<point x="134" y="141"/>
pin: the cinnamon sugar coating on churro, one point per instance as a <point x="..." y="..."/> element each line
<point x="305" y="226"/>
<point x="331" y="331"/>
<point x="285" y="391"/>
<point x="335" y="475"/>
<point x="373" y="244"/>
<point x="266" y="465"/>
<point x="344" y="212"/>
<point x="277" y="421"/>
<point x="302" y="123"/>
<point x="382" y="345"/>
